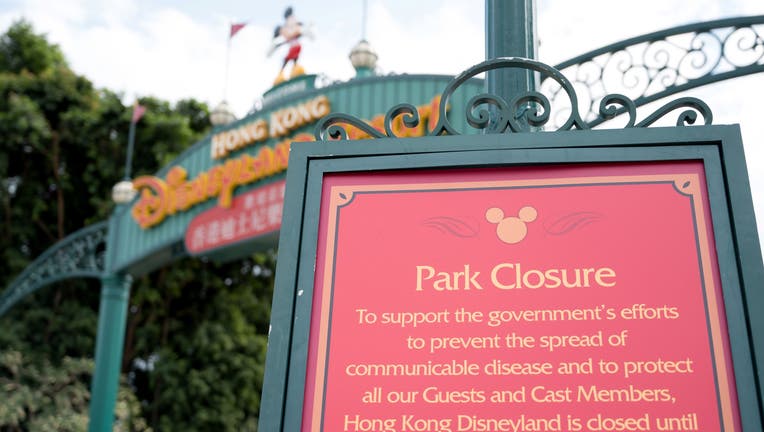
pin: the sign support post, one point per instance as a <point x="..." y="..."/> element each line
<point x="510" y="31"/>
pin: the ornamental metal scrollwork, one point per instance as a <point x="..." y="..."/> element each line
<point x="522" y="113"/>
<point x="603" y="84"/>
<point x="81" y="254"/>
<point x="656" y="65"/>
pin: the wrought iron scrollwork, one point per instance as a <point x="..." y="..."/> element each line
<point x="603" y="83"/>
<point x="532" y="108"/>
<point x="660" y="64"/>
<point x="81" y="254"/>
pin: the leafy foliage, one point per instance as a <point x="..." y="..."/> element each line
<point x="21" y="49"/>
<point x="200" y="344"/>
<point x="54" y="398"/>
<point x="196" y="333"/>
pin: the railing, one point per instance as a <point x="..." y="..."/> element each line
<point x="81" y="254"/>
<point x="660" y="64"/>
<point x="528" y="111"/>
<point x="592" y="88"/>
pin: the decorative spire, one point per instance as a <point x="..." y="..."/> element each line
<point x="222" y="115"/>
<point x="363" y="59"/>
<point x="362" y="56"/>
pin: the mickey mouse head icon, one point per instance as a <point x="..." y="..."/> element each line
<point x="511" y="229"/>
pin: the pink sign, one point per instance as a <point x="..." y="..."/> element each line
<point x="561" y="298"/>
<point x="251" y="214"/>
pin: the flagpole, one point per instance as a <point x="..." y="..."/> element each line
<point x="227" y="61"/>
<point x="363" y="21"/>
<point x="130" y="144"/>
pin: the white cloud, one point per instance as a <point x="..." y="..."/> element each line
<point x="446" y="40"/>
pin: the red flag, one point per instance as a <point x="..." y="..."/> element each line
<point x="235" y="29"/>
<point x="138" y="111"/>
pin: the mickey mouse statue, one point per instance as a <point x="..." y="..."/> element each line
<point x="289" y="33"/>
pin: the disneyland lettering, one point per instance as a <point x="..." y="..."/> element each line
<point x="161" y="198"/>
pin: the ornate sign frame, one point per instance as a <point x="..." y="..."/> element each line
<point x="718" y="148"/>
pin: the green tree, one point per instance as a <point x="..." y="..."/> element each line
<point x="195" y="343"/>
<point x="199" y="344"/>
<point x="21" y="49"/>
<point x="54" y="398"/>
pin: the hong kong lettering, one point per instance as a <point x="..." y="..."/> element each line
<point x="282" y="122"/>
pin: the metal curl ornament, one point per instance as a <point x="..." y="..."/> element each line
<point x="478" y="104"/>
<point x="410" y="118"/>
<point x="329" y="127"/>
<point x="686" y="117"/>
<point x="527" y="107"/>
<point x="444" y="125"/>
<point x="608" y="110"/>
<point x="525" y="112"/>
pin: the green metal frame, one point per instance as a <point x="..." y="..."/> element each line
<point x="719" y="147"/>
<point x="87" y="253"/>
<point x="81" y="254"/>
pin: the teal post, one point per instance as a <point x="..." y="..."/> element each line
<point x="112" y="320"/>
<point x="510" y="31"/>
<point x="112" y="317"/>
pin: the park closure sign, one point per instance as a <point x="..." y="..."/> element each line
<point x="577" y="281"/>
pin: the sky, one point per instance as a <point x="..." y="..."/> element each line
<point x="175" y="49"/>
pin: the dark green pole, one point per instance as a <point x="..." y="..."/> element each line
<point x="510" y="31"/>
<point x="112" y="316"/>
<point x="130" y="145"/>
<point x="112" y="320"/>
